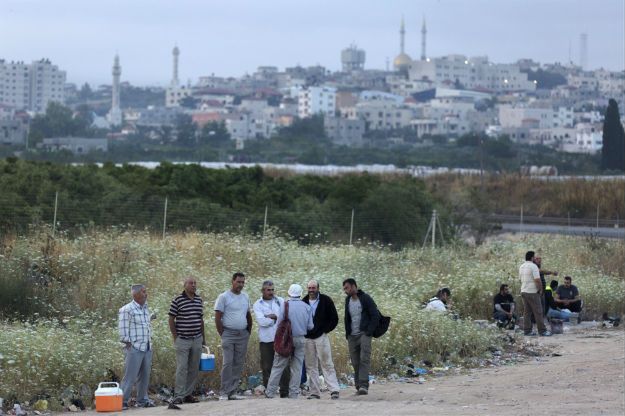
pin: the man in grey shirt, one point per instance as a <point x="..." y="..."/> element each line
<point x="234" y="324"/>
<point x="300" y="315"/>
<point x="361" y="320"/>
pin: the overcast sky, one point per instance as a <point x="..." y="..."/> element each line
<point x="234" y="37"/>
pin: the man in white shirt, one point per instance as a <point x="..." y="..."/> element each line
<point x="531" y="292"/>
<point x="439" y="302"/>
<point x="266" y="311"/>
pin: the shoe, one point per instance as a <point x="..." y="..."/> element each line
<point x="363" y="391"/>
<point x="225" y="397"/>
<point x="235" y="397"/>
<point x="546" y="334"/>
<point x="177" y="400"/>
<point x="149" y="403"/>
<point x="313" y="396"/>
<point x="191" y="399"/>
<point x="530" y="334"/>
<point x="266" y="395"/>
<point x="334" y="395"/>
<point x="124" y="406"/>
<point x="284" y="395"/>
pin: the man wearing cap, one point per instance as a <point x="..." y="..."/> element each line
<point x="266" y="311"/>
<point x="135" y="332"/>
<point x="234" y="324"/>
<point x="318" y="351"/>
<point x="300" y="315"/>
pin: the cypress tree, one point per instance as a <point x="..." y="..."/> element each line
<point x="613" y="152"/>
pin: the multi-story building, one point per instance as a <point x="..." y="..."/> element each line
<point x="31" y="86"/>
<point x="380" y="114"/>
<point x="316" y="100"/>
<point x="470" y="73"/>
<point x="343" y="131"/>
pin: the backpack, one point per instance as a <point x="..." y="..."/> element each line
<point x="382" y="327"/>
<point x="283" y="341"/>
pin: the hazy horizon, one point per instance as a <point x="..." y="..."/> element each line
<point x="232" y="38"/>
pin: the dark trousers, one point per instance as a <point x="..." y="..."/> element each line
<point x="532" y="306"/>
<point x="266" y="362"/>
<point x="360" y="355"/>
<point x="573" y="307"/>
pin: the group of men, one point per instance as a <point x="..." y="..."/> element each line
<point x="540" y="300"/>
<point x="312" y="318"/>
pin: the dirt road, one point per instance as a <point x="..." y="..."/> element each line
<point x="587" y="379"/>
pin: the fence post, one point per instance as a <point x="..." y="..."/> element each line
<point x="165" y="218"/>
<point x="351" y="228"/>
<point x="568" y="215"/>
<point x="433" y="229"/>
<point x="265" y="220"/>
<point x="56" y="205"/>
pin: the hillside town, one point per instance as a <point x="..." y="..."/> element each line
<point x="413" y="101"/>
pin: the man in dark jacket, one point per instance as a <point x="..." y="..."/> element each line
<point x="317" y="350"/>
<point x="361" y="320"/>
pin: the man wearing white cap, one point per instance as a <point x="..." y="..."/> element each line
<point x="300" y="315"/>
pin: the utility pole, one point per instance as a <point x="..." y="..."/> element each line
<point x="265" y="220"/>
<point x="521" y="222"/>
<point x="433" y="229"/>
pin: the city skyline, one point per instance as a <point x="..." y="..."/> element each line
<point x="234" y="38"/>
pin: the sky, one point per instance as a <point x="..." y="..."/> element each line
<point x="234" y="37"/>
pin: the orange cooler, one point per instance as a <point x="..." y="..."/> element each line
<point x="108" y="397"/>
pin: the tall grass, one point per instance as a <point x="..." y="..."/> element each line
<point x="506" y="194"/>
<point x="77" y="285"/>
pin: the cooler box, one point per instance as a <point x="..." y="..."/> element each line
<point x="207" y="360"/>
<point x="108" y="397"/>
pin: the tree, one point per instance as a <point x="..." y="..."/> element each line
<point x="186" y="129"/>
<point x="85" y="92"/>
<point x="613" y="152"/>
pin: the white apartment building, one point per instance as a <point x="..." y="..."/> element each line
<point x="470" y="73"/>
<point x="316" y="100"/>
<point x="380" y="115"/>
<point x="512" y="117"/>
<point x="31" y="86"/>
<point x="588" y="139"/>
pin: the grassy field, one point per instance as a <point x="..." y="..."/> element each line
<point x="68" y="291"/>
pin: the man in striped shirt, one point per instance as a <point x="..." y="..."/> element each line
<point x="135" y="333"/>
<point x="186" y="323"/>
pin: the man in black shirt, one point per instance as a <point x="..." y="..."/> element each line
<point x="504" y="308"/>
<point x="567" y="296"/>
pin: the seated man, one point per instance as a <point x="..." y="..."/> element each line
<point x="567" y="296"/>
<point x="553" y="311"/>
<point x="504" y="308"/>
<point x="440" y="301"/>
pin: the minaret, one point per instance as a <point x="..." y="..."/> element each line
<point x="423" y="35"/>
<point x="402" y="34"/>
<point x="115" y="115"/>
<point x="176" y="53"/>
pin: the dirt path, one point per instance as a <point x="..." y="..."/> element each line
<point x="587" y="379"/>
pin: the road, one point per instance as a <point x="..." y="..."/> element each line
<point x="606" y="232"/>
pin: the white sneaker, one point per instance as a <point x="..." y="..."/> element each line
<point x="223" y="397"/>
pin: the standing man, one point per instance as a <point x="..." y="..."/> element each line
<point x="300" y="316"/>
<point x="361" y="319"/>
<point x="234" y="324"/>
<point x="317" y="348"/>
<point x="531" y="292"/>
<point x="543" y="281"/>
<point x="266" y="311"/>
<point x="186" y="323"/>
<point x="135" y="332"/>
